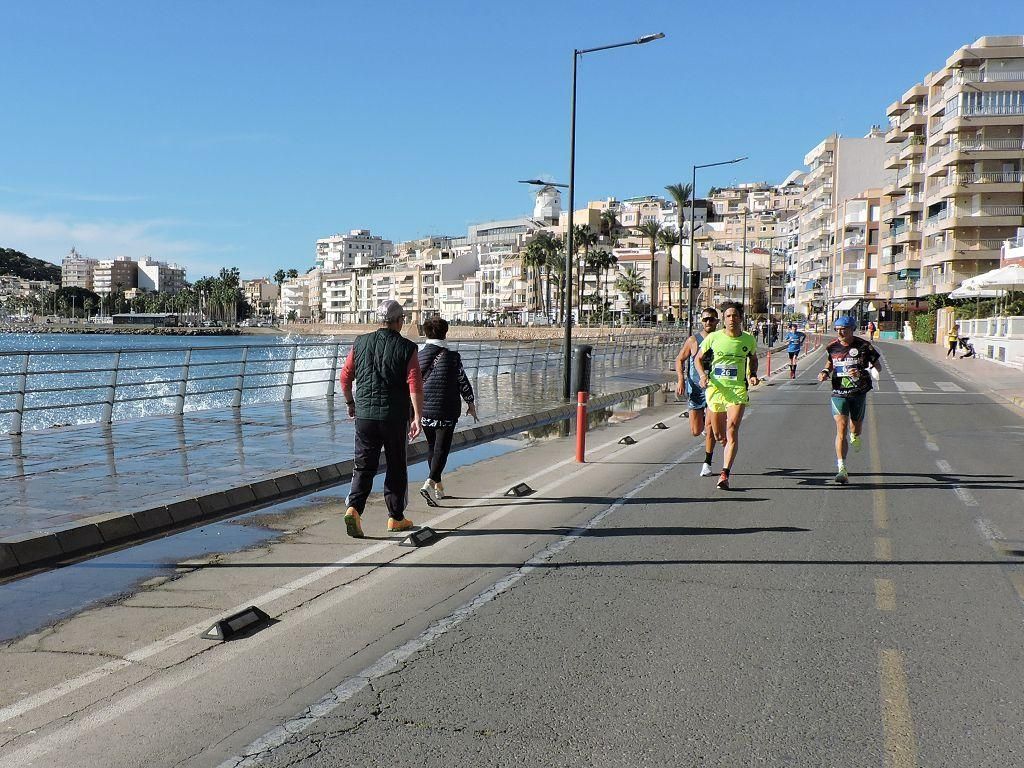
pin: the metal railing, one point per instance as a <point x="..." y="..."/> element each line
<point x="40" y="389"/>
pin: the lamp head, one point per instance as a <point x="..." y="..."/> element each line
<point x="649" y="38"/>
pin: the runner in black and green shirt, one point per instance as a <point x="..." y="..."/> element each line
<point x="851" y="362"/>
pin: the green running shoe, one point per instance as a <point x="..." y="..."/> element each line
<point x="842" y="477"/>
<point x="855" y="442"/>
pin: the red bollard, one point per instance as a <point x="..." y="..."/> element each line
<point x="581" y="425"/>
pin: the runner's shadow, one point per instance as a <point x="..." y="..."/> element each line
<point x="938" y="480"/>
<point x="526" y="500"/>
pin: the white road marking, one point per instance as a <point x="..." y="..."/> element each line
<point x="189" y="633"/>
<point x="931" y="446"/>
<point x="908" y="386"/>
<point x="944" y="466"/>
<point x="254" y="753"/>
<point x="948" y="386"/>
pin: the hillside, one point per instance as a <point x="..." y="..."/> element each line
<point x="14" y="262"/>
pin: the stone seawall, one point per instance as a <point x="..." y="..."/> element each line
<point x="480" y="333"/>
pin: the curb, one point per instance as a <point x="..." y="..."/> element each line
<point x="91" y="536"/>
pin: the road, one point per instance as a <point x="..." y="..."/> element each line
<point x="626" y="613"/>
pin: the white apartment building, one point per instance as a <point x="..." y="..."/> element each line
<point x="77" y="271"/>
<point x="957" y="145"/>
<point x="356" y="250"/>
<point x="302" y="297"/>
<point x="112" y="275"/>
<point x="159" y="276"/>
<point x="839" y="170"/>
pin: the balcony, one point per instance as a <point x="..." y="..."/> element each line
<point x="853" y="266"/>
<point x="912" y="147"/>
<point x="998" y="181"/>
<point x="986" y="216"/>
<point x="973" y="149"/>
<point x="910" y="204"/>
<point x="976" y="117"/>
<point x="911" y="175"/>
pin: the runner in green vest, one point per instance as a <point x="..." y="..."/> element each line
<point x="727" y="365"/>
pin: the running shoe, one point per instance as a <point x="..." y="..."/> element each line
<point x="705" y="470"/>
<point x="438" y="491"/>
<point x="399" y="525"/>
<point x="353" y="524"/>
<point x="855" y="442"/>
<point x="425" y="492"/>
<point x="723" y="482"/>
<point x="842" y="477"/>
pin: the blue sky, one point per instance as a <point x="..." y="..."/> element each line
<point x="237" y="133"/>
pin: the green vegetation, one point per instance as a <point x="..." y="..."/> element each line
<point x="14" y="262"/>
<point x="924" y="327"/>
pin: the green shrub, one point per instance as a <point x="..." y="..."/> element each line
<point x="924" y="327"/>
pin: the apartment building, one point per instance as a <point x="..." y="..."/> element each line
<point x="839" y="169"/>
<point x="855" y="257"/>
<point x="112" y="275"/>
<point x="159" y="276"/>
<point x="76" y="271"/>
<point x="302" y="297"/>
<point x="357" y="250"/>
<point x="261" y="294"/>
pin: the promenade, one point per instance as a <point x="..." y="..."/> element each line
<point x="625" y="613"/>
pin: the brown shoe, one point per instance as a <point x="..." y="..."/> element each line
<point x="353" y="523"/>
<point x="399" y="525"/>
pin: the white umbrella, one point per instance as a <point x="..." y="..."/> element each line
<point x="1009" y="278"/>
<point x="968" y="291"/>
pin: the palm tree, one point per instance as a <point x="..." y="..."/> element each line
<point x="681" y="194"/>
<point x="548" y="246"/>
<point x="583" y="238"/>
<point x="609" y="223"/>
<point x="533" y="261"/>
<point x="651" y="230"/>
<point x="669" y="239"/>
<point x="292" y="274"/>
<point x="630" y="283"/>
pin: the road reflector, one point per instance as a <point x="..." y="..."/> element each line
<point x="627" y="440"/>
<point x="420" y="537"/>
<point x="519" y="490"/>
<point x="684" y="414"/>
<point x="660" y="425"/>
<point x="237" y="624"/>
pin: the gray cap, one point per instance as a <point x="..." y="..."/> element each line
<point x="389" y="310"/>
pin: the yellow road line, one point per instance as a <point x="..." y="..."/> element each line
<point x="878" y="495"/>
<point x="883" y="548"/>
<point x="885" y="595"/>
<point x="900" y="746"/>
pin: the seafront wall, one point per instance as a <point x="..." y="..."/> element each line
<point x="480" y="333"/>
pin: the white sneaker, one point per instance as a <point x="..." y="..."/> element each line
<point x="438" y="491"/>
<point x="425" y="492"/>
<point x="705" y="470"/>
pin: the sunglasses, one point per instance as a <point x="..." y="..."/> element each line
<point x="709" y="319"/>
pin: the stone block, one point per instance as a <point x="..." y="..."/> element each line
<point x="118" y="528"/>
<point x="213" y="504"/>
<point x="241" y="497"/>
<point x="8" y="562"/>
<point x="184" y="511"/>
<point x="308" y="478"/>
<point x="156" y="519"/>
<point x="328" y="474"/>
<point x="81" y="538"/>
<point x="287" y="483"/>
<point x="265" y="490"/>
<point x="36" y="549"/>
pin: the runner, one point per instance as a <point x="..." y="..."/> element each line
<point x="795" y="341"/>
<point x="689" y="383"/>
<point x="727" y="366"/>
<point x="851" y="363"/>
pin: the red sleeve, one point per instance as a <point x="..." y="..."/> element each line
<point x="413" y="375"/>
<point x="348" y="370"/>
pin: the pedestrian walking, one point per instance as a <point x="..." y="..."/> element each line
<point x="952" y="336"/>
<point x="727" y="365"/>
<point x="445" y="386"/>
<point x="850" y="361"/>
<point x="872" y="330"/>
<point x="688" y="383"/>
<point x="387" y="406"/>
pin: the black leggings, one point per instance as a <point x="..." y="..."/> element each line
<point x="439" y="445"/>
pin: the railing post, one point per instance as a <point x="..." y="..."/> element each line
<point x="179" y="407"/>
<point x="19" y="400"/>
<point x="108" y="406"/>
<point x="497" y="360"/>
<point x="291" y="374"/>
<point x="334" y="370"/>
<point x="236" y="401"/>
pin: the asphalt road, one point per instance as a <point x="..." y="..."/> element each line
<point x="627" y="613"/>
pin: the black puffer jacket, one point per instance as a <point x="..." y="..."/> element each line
<point x="445" y="383"/>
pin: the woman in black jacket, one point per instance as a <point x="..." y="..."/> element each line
<point x="445" y="385"/>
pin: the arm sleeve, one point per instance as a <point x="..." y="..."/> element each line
<point x="465" y="388"/>
<point x="413" y="375"/>
<point x="348" y="369"/>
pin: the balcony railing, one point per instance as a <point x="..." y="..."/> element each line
<point x="1011" y="177"/>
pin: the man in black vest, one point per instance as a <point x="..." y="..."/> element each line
<point x="385" y="368"/>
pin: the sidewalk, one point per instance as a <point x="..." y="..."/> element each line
<point x="1002" y="381"/>
<point x="73" y="491"/>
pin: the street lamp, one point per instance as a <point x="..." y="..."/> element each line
<point x="567" y="345"/>
<point x="693" y="206"/>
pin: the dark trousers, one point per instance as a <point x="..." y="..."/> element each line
<point x="439" y="445"/>
<point x="371" y="436"/>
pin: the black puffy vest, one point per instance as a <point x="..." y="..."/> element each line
<point x="441" y="396"/>
<point x="382" y="390"/>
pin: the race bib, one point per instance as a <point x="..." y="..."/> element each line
<point x="847" y="369"/>
<point x="730" y="372"/>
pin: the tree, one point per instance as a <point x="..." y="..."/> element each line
<point x="609" y="223"/>
<point x="630" y="283"/>
<point x="682" y="194"/>
<point x="292" y="274"/>
<point x="651" y="230"/>
<point x="548" y="247"/>
<point x="583" y="238"/>
<point x="533" y="260"/>
<point x="669" y="239"/>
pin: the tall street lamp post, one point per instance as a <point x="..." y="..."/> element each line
<point x="567" y="345"/>
<point x="693" y="205"/>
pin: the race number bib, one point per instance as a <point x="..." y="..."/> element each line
<point x="728" y="372"/>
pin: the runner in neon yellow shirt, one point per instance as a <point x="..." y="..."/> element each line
<point x="727" y="365"/>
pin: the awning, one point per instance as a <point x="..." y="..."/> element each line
<point x="846" y="305"/>
<point x="810" y="285"/>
